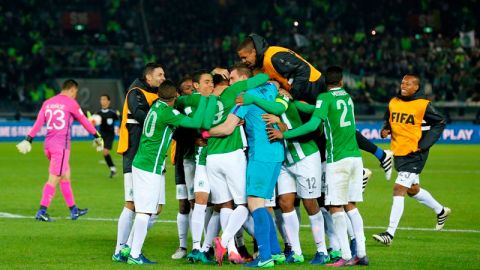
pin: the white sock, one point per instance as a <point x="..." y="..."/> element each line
<point x="424" y="197"/>
<point x="299" y="214"/>
<point x="292" y="230"/>
<point x="125" y="222"/>
<point x="248" y="225"/>
<point x="182" y="226"/>
<point x="235" y="222"/>
<point x="318" y="231"/>
<point x="279" y="223"/>
<point x="225" y="214"/>
<point x="351" y="234"/>
<point x="395" y="214"/>
<point x="357" y="224"/>
<point x="208" y="215"/>
<point x="152" y="220"/>
<point x="198" y="219"/>
<point x="140" y="228"/>
<point x="130" y="237"/>
<point x="213" y="228"/>
<point x="340" y="223"/>
<point x="330" y="229"/>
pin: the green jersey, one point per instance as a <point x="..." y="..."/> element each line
<point x="236" y="140"/>
<point x="335" y="109"/>
<point x="158" y="127"/>
<point x="300" y="147"/>
<point x="188" y="104"/>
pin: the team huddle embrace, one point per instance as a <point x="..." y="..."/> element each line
<point x="253" y="141"/>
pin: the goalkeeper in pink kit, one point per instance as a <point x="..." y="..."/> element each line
<point x="58" y="114"/>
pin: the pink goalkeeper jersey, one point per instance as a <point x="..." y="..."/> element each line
<point x="58" y="113"/>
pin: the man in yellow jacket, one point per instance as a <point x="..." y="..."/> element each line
<point x="140" y="96"/>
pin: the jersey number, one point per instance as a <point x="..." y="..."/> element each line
<point x="59" y="116"/>
<point x="149" y="127"/>
<point x="219" y="114"/>
<point x="341" y="105"/>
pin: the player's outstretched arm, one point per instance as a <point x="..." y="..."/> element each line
<point x="224" y="129"/>
<point x="25" y="146"/>
<point x="277" y="107"/>
<point x="196" y="120"/>
<point x="252" y="82"/>
<point x="304" y="107"/>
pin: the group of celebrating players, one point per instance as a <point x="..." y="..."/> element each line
<point x="268" y="132"/>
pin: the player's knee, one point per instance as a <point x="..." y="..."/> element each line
<point x="311" y="206"/>
<point x="159" y="209"/>
<point x="399" y="190"/>
<point x="130" y="205"/>
<point x="412" y="191"/>
<point x="286" y="203"/>
<point x="183" y="207"/>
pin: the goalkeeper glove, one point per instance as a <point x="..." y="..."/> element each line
<point x="98" y="142"/>
<point x="25" y="146"/>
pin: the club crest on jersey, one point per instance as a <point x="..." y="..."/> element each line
<point x="404" y="118"/>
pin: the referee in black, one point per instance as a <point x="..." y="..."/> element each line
<point x="107" y="129"/>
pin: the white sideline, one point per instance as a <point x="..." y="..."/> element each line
<point x="9" y="215"/>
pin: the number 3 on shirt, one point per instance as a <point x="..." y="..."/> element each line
<point x="59" y="117"/>
<point x="343" y="106"/>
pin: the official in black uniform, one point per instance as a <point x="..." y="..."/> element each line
<point x="107" y="129"/>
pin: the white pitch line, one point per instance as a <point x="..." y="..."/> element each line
<point x="13" y="216"/>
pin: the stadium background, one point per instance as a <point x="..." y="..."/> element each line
<point x="104" y="45"/>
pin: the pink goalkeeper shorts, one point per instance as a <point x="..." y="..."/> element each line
<point x="59" y="161"/>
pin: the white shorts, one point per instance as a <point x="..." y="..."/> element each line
<point x="201" y="180"/>
<point x="272" y="201"/>
<point x="181" y="193"/>
<point x="303" y="177"/>
<point x="148" y="190"/>
<point x="344" y="181"/>
<point x="407" y="179"/>
<point x="128" y="186"/>
<point x="324" y="172"/>
<point x="227" y="176"/>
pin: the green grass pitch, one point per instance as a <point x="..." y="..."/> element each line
<point x="452" y="175"/>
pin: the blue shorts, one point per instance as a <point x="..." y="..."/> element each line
<point x="262" y="178"/>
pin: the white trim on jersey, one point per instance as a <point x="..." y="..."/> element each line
<point x="296" y="144"/>
<point x="244" y="138"/>
<point x="327" y="122"/>
<point x="160" y="149"/>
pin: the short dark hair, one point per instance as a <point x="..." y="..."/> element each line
<point x="334" y="75"/>
<point x="242" y="69"/>
<point x="417" y="78"/>
<point x="247" y="43"/>
<point x="184" y="79"/>
<point x="167" y="90"/>
<point x="198" y="74"/>
<point x="69" y="84"/>
<point x="149" y="69"/>
<point x="105" y="95"/>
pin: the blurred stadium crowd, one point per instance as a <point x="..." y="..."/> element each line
<point x="376" y="42"/>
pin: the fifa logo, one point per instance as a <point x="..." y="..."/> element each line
<point x="404" y="118"/>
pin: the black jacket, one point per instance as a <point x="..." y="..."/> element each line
<point x="292" y="68"/>
<point x="137" y="103"/>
